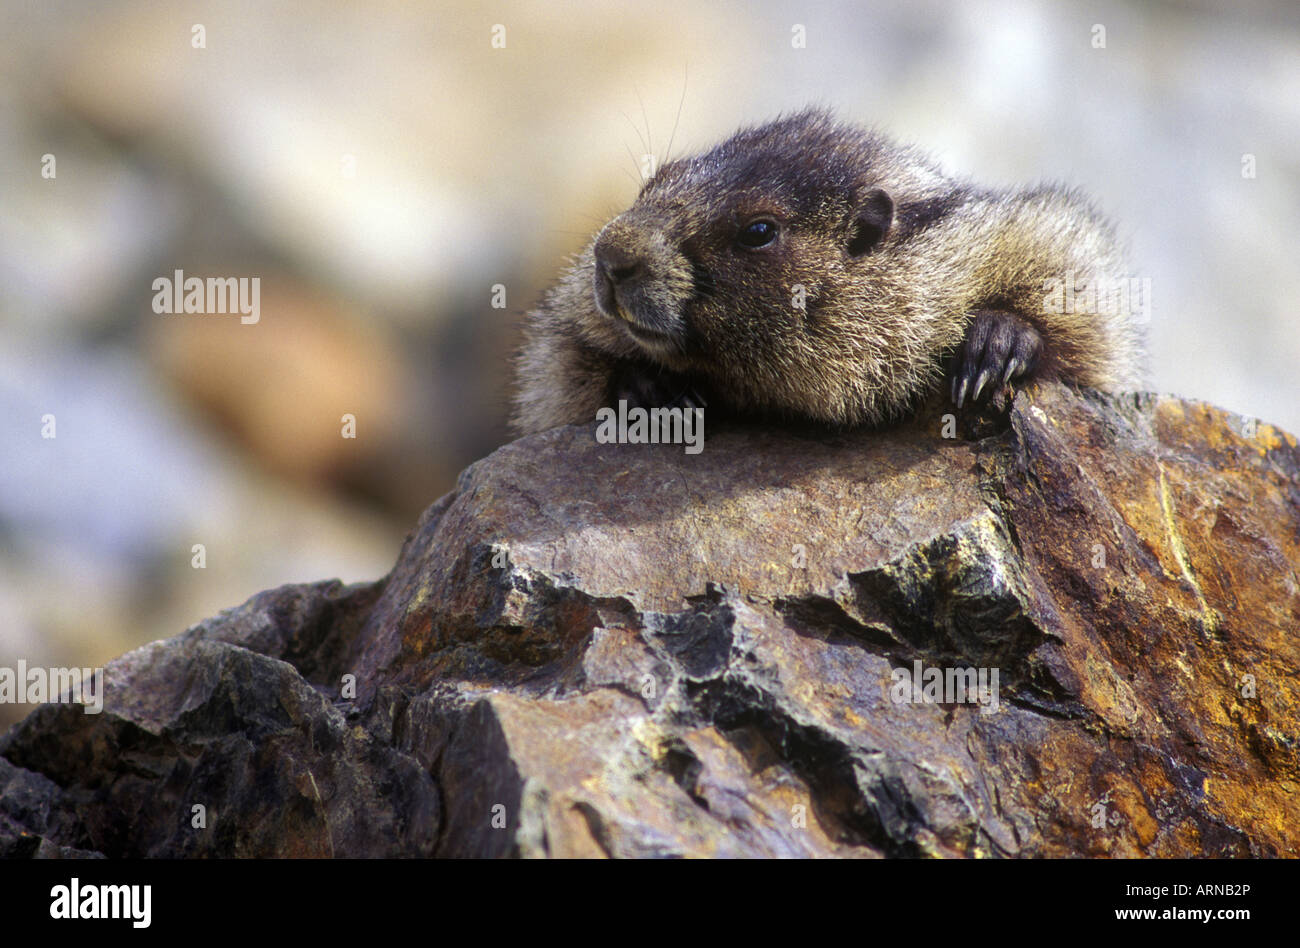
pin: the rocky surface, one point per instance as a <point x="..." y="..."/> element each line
<point x="618" y="650"/>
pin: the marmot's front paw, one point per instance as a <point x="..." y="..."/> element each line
<point x="655" y="388"/>
<point x="999" y="348"/>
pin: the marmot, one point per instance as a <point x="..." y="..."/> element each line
<point x="809" y="269"/>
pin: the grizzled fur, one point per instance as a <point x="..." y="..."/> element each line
<point x="902" y="270"/>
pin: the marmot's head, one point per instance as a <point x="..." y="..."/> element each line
<point x="757" y="260"/>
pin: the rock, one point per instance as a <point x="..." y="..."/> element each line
<point x="621" y="650"/>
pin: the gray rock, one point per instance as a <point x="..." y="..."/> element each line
<point x="623" y="650"/>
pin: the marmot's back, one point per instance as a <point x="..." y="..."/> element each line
<point x="810" y="269"/>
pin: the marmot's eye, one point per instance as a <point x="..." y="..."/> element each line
<point x="757" y="234"/>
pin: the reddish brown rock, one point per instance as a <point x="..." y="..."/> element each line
<point x="627" y="650"/>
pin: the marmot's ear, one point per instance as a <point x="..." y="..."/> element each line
<point x="873" y="213"/>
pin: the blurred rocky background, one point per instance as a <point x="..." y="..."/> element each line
<point x="381" y="166"/>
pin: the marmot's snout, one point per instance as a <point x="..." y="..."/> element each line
<point x="640" y="280"/>
<point x="620" y="263"/>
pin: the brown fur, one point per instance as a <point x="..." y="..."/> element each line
<point x="877" y="325"/>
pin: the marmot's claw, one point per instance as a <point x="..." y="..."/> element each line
<point x="959" y="393"/>
<point x="1000" y="347"/>
<point x="1015" y="368"/>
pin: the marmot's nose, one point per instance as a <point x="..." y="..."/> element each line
<point x="618" y="264"/>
